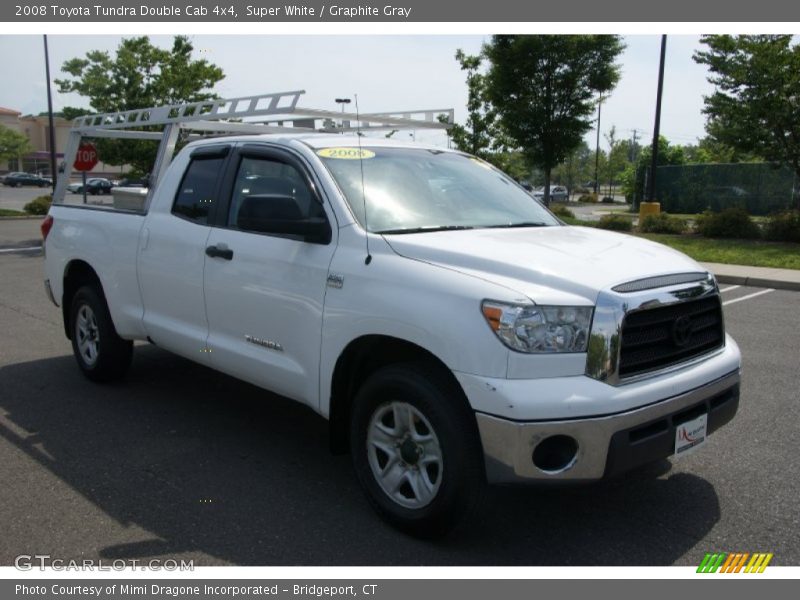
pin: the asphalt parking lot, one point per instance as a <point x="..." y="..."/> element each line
<point x="182" y="462"/>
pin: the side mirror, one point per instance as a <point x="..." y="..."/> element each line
<point x="277" y="214"/>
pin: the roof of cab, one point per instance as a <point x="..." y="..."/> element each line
<point x="317" y="141"/>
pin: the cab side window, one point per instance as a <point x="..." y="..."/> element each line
<point x="196" y="194"/>
<point x="270" y="189"/>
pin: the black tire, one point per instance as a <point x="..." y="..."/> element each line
<point x="112" y="355"/>
<point x="461" y="480"/>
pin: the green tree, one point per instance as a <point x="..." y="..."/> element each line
<point x="755" y="107"/>
<point x="479" y="135"/>
<point x="12" y="144"/>
<point x="616" y="160"/>
<point x="709" y="150"/>
<point x="635" y="175"/>
<point x="140" y="75"/>
<point x="543" y="88"/>
<point x="577" y="169"/>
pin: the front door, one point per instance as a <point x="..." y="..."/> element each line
<point x="265" y="292"/>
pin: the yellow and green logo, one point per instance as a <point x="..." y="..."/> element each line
<point x="734" y="562"/>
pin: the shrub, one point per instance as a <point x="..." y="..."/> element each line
<point x="38" y="206"/>
<point x="607" y="200"/>
<point x="562" y="211"/>
<point x="615" y="223"/>
<point x="784" y="226"/>
<point x="662" y="223"/>
<point x="590" y="198"/>
<point x="730" y="223"/>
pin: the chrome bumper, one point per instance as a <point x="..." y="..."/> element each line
<point x="605" y="445"/>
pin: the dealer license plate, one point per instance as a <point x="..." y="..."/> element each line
<point x="691" y="435"/>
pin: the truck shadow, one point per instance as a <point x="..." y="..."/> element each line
<point x="223" y="472"/>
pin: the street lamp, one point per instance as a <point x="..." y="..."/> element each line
<point x="51" y="124"/>
<point x="651" y="187"/>
<point x="343" y="101"/>
<point x="597" y="149"/>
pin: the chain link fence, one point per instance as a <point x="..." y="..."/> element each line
<point x="760" y="188"/>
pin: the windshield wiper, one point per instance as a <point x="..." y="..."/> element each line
<point x="522" y="224"/>
<point x="426" y="229"/>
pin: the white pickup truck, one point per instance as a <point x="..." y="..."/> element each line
<point x="450" y="328"/>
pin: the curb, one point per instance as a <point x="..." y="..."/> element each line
<point x="776" y="284"/>
<point x="21" y="217"/>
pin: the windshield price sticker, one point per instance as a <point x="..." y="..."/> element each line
<point x="346" y="153"/>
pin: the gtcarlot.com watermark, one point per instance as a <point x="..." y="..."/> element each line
<point x="29" y="562"/>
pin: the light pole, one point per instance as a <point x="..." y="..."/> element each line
<point x="597" y="149"/>
<point x="651" y="187"/>
<point x="343" y="101"/>
<point x="50" y="117"/>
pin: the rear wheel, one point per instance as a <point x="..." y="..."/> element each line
<point x="101" y="354"/>
<point x="416" y="449"/>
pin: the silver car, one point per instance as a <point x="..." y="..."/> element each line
<point x="558" y="193"/>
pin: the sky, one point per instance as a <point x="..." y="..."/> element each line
<point x="388" y="72"/>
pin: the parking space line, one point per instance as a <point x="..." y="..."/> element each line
<point x="28" y="249"/>
<point x="753" y="295"/>
<point x="728" y="289"/>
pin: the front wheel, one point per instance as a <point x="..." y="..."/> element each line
<point x="101" y="354"/>
<point x="416" y="449"/>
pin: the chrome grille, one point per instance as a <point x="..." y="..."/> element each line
<point x="654" y="338"/>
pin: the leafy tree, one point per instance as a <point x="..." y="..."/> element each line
<point x="511" y="162"/>
<point x="12" y="143"/>
<point x="479" y="136"/>
<point x="68" y="113"/>
<point x="635" y="175"/>
<point x="616" y="159"/>
<point x="577" y="169"/>
<point x="139" y="76"/>
<point x="543" y="89"/>
<point x="709" y="150"/>
<point x="756" y="104"/>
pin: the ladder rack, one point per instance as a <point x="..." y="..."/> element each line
<point x="231" y="116"/>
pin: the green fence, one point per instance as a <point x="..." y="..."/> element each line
<point x="761" y="188"/>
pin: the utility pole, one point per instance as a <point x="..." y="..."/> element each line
<point x="597" y="149"/>
<point x="50" y="117"/>
<point x="343" y="102"/>
<point x="651" y="187"/>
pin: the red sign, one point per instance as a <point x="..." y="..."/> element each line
<point x="86" y="158"/>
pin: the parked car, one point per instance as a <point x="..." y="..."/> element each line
<point x="127" y="182"/>
<point x="451" y="331"/>
<point x="17" y="179"/>
<point x="558" y="193"/>
<point x="94" y="186"/>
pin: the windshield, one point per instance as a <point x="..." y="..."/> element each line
<point x="413" y="189"/>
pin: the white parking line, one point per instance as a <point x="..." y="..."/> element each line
<point x="753" y="295"/>
<point x="34" y="249"/>
<point x="728" y="289"/>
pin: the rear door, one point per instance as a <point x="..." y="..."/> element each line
<point x="172" y="255"/>
<point x="265" y="292"/>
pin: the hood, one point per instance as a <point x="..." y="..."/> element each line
<point x="576" y="260"/>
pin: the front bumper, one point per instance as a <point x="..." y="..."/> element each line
<point x="608" y="444"/>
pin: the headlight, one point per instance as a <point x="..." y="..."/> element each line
<point x="534" y="329"/>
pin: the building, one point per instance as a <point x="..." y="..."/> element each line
<point x="37" y="130"/>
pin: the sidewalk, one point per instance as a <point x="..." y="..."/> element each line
<point x="779" y="279"/>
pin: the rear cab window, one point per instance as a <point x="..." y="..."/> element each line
<point x="197" y="192"/>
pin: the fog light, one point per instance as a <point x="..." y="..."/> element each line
<point x="555" y="454"/>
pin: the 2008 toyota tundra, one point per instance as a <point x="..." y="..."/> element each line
<point x="451" y="329"/>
